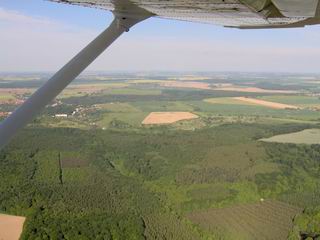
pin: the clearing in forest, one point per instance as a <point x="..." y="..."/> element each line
<point x="307" y="136"/>
<point x="266" y="103"/>
<point x="167" y="117"/>
<point x="266" y="220"/>
<point x="11" y="227"/>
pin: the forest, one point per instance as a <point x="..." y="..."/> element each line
<point x="139" y="185"/>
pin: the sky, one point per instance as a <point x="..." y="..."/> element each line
<point x="39" y="35"/>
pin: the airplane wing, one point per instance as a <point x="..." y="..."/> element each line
<point x="230" y="13"/>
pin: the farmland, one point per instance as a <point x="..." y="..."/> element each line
<point x="196" y="85"/>
<point x="252" y="89"/>
<point x="10" y="227"/>
<point x="167" y="117"/>
<point x="266" y="103"/>
<point x="307" y="136"/>
<point x="301" y="101"/>
<point x="89" y="168"/>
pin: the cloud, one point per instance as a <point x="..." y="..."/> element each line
<point x="32" y="43"/>
<point x="11" y="17"/>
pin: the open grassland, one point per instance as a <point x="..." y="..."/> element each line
<point x="163" y="106"/>
<point x="266" y="103"/>
<point x="121" y="120"/>
<point x="85" y="89"/>
<point x="307" y="136"/>
<point x="167" y="117"/>
<point x="267" y="220"/>
<point x="11" y="227"/>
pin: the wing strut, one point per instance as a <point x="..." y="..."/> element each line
<point x="45" y="94"/>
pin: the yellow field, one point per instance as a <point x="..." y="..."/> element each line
<point x="167" y="117"/>
<point x="266" y="103"/>
<point x="11" y="227"/>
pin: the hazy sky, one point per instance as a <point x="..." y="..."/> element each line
<point x="37" y="35"/>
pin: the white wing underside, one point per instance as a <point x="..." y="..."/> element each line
<point x="232" y="13"/>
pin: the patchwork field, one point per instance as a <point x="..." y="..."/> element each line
<point x="267" y="220"/>
<point x="122" y="172"/>
<point x="167" y="117"/>
<point x="307" y="136"/>
<point x="11" y="227"/>
<point x="266" y="103"/>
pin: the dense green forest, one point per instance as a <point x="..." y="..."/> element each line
<point x="76" y="184"/>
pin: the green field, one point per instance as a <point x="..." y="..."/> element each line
<point x="302" y="101"/>
<point x="133" y="91"/>
<point x="227" y="101"/>
<point x="6" y="96"/>
<point x="308" y="136"/>
<point x="121" y="120"/>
